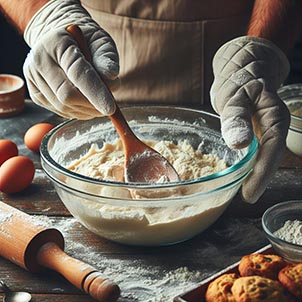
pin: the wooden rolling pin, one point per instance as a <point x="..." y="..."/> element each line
<point x="25" y="241"/>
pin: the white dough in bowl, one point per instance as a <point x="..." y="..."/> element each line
<point x="148" y="225"/>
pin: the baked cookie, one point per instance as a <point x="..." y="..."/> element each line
<point x="261" y="265"/>
<point x="291" y="278"/>
<point x="219" y="290"/>
<point x="258" y="289"/>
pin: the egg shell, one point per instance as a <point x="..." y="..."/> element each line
<point x="34" y="135"/>
<point x="8" y="149"/>
<point x="16" y="174"/>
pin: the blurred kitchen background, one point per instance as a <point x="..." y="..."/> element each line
<point x="13" y="51"/>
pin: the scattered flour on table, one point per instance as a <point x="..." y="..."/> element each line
<point x="142" y="281"/>
<point x="136" y="282"/>
<point x="135" y="278"/>
<point x="291" y="231"/>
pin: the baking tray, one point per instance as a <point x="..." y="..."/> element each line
<point x="198" y="294"/>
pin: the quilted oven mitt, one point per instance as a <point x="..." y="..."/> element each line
<point x="58" y="76"/>
<point x="247" y="73"/>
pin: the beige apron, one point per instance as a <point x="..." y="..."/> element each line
<point x="166" y="46"/>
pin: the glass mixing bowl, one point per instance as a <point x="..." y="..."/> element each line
<point x="292" y="97"/>
<point x="274" y="219"/>
<point x="166" y="213"/>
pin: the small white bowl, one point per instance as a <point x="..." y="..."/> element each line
<point x="274" y="219"/>
<point x="11" y="95"/>
<point x="292" y="96"/>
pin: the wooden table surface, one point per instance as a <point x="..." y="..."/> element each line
<point x="144" y="274"/>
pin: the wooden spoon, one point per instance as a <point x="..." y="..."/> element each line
<point x="142" y="163"/>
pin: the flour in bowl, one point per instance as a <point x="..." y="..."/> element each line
<point x="108" y="163"/>
<point x="166" y="215"/>
<point x="291" y="231"/>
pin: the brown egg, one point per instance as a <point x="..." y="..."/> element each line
<point x="34" y="135"/>
<point x="16" y="174"/>
<point x="8" y="149"/>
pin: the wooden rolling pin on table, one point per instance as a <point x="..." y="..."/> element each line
<point x="25" y="241"/>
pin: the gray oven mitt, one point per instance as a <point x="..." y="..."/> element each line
<point x="57" y="75"/>
<point x="247" y="73"/>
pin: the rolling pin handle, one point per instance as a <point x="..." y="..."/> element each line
<point x="78" y="273"/>
<point x="102" y="289"/>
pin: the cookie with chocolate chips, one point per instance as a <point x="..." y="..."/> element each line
<point x="258" y="289"/>
<point x="261" y="265"/>
<point x="219" y="290"/>
<point x="291" y="278"/>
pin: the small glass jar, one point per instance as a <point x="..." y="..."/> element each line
<point x="292" y="97"/>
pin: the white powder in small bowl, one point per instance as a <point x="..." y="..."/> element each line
<point x="291" y="232"/>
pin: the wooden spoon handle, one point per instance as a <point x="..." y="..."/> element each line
<point x="126" y="134"/>
<point x="80" y="274"/>
<point x="77" y="34"/>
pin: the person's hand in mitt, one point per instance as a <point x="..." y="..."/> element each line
<point x="58" y="76"/>
<point x="247" y="74"/>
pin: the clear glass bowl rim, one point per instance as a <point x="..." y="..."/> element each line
<point x="45" y="156"/>
<point x="270" y="235"/>
<point x="288" y="93"/>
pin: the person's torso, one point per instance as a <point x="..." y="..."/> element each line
<point x="166" y="46"/>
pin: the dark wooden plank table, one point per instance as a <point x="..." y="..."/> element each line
<point x="144" y="274"/>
